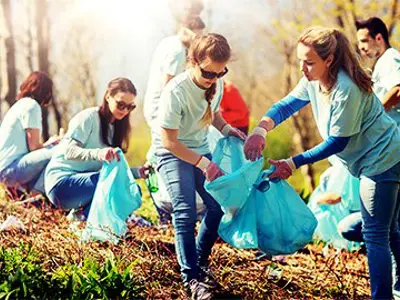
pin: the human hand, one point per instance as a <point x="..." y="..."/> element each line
<point x="283" y="168"/>
<point x="108" y="154"/>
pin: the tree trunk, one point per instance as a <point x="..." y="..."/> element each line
<point x="393" y="18"/>
<point x="10" y="54"/>
<point x="43" y="39"/>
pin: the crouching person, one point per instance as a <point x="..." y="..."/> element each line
<point x="94" y="136"/>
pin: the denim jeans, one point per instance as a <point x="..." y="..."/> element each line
<point x="75" y="191"/>
<point x="350" y="228"/>
<point x="182" y="180"/>
<point x="28" y="171"/>
<point x="380" y="205"/>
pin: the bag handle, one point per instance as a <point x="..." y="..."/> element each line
<point x="263" y="181"/>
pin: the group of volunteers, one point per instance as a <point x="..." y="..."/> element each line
<point x="356" y="116"/>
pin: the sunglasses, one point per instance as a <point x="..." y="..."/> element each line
<point x="121" y="105"/>
<point x="211" y="75"/>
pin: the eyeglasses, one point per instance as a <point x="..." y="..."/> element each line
<point x="121" y="105"/>
<point x="211" y="75"/>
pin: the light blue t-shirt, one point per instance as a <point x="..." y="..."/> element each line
<point x="182" y="106"/>
<point x="169" y="58"/>
<point x="349" y="112"/>
<point x="25" y="113"/>
<point x="85" y="128"/>
<point x="385" y="76"/>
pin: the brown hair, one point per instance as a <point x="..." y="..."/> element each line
<point x="122" y="128"/>
<point x="216" y="48"/>
<point x="37" y="86"/>
<point x="188" y="26"/>
<point x="331" y="41"/>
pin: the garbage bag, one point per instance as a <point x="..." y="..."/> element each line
<point x="335" y="179"/>
<point x="116" y="196"/>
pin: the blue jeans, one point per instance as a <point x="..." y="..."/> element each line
<point x="182" y="180"/>
<point x="75" y="191"/>
<point x="28" y="171"/>
<point x="380" y="205"/>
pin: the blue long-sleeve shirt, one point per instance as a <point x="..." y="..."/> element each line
<point x="285" y="108"/>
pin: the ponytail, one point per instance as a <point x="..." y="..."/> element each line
<point x="209" y="95"/>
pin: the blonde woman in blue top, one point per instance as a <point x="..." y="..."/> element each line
<point x="354" y="126"/>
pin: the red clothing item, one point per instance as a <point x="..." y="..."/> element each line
<point x="233" y="108"/>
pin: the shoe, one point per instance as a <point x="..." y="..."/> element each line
<point x="207" y="278"/>
<point x="75" y="215"/>
<point x="199" y="291"/>
<point x="396" y="295"/>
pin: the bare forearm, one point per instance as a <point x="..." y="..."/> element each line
<point x="391" y="98"/>
<point x="218" y="121"/>
<point x="33" y="147"/>
<point x="181" y="151"/>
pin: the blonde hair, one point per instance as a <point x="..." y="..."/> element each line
<point x="331" y="41"/>
<point x="216" y="48"/>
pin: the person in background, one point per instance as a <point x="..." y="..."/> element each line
<point x="234" y="109"/>
<point x="169" y="60"/>
<point x="93" y="137"/>
<point x="189" y="104"/>
<point x="373" y="42"/>
<point x="355" y="128"/>
<point x="23" y="156"/>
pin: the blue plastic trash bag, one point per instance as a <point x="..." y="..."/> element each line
<point x="284" y="222"/>
<point x="258" y="212"/>
<point x="336" y="179"/>
<point x="232" y="190"/>
<point x="117" y="195"/>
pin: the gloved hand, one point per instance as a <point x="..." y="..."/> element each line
<point x="228" y="130"/>
<point x="255" y="144"/>
<point x="108" y="154"/>
<point x="213" y="172"/>
<point x="144" y="171"/>
<point x="284" y="168"/>
<point x="209" y="169"/>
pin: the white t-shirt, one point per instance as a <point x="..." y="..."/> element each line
<point x="168" y="59"/>
<point x="385" y="76"/>
<point x="25" y="113"/>
<point x="85" y="128"/>
<point x="182" y="107"/>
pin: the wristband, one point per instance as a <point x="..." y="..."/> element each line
<point x="203" y="163"/>
<point x="260" y="131"/>
<point x="226" y="129"/>
<point x="291" y="163"/>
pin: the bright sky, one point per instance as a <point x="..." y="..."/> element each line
<point x="129" y="30"/>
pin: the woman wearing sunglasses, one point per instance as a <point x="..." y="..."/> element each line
<point x="23" y="156"/>
<point x="94" y="136"/>
<point x="356" y="129"/>
<point x="188" y="105"/>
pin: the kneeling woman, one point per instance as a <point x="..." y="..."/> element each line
<point x="23" y="157"/>
<point x="94" y="136"/>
